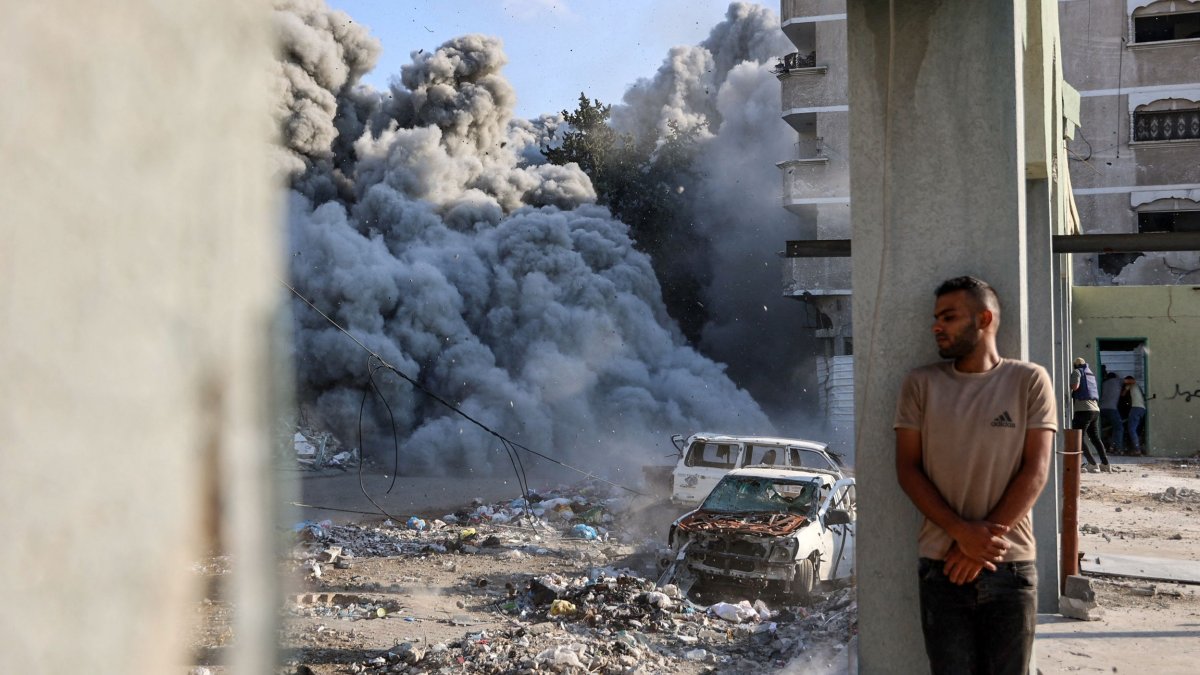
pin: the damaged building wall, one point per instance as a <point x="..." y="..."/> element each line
<point x="139" y="252"/>
<point x="1166" y="319"/>
<point x="1134" y="163"/>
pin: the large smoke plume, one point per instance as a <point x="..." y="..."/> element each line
<point x="418" y="221"/>
<point x="725" y="88"/>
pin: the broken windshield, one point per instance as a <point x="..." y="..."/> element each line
<point x="745" y="494"/>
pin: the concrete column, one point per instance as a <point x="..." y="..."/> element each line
<point x="1043" y="349"/>
<point x="938" y="182"/>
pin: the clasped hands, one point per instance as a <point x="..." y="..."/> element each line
<point x="977" y="545"/>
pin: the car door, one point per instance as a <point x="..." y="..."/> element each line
<point x="837" y="540"/>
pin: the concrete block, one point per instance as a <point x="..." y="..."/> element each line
<point x="1083" y="610"/>
<point x="1079" y="588"/>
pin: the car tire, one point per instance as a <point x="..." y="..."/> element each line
<point x="802" y="583"/>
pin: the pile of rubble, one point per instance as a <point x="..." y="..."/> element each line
<point x="1181" y="495"/>
<point x="318" y="450"/>
<point x="623" y="624"/>
<point x="579" y="513"/>
<point x="595" y="618"/>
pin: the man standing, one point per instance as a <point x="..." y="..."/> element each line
<point x="974" y="440"/>
<point x="1137" y="411"/>
<point x="1086" y="408"/>
<point x="1110" y="395"/>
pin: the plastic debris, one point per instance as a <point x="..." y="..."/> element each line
<point x="341" y="459"/>
<point x="658" y="599"/>
<point x="738" y="613"/>
<point x="582" y="531"/>
<point x="415" y="523"/>
<point x="561" y="608"/>
<point x="313" y="529"/>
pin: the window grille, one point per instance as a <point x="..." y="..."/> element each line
<point x="1166" y="125"/>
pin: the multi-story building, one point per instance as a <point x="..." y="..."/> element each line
<point x="1136" y="169"/>
<point x="816" y="188"/>
<point x="1137" y="159"/>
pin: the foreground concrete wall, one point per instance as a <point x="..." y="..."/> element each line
<point x="1168" y="317"/>
<point x="138" y="256"/>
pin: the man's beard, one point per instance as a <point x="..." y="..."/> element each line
<point x="962" y="345"/>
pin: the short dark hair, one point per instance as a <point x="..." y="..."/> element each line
<point x="981" y="292"/>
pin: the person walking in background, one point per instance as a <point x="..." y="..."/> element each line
<point x="1137" y="412"/>
<point x="1085" y="402"/>
<point x="1110" y="395"/>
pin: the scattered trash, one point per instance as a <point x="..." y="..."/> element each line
<point x="561" y="608"/>
<point x="582" y="531"/>
<point x="313" y="529"/>
<point x="738" y="613"/>
<point x="592" y="617"/>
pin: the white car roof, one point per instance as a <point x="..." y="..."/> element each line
<point x="782" y="474"/>
<point x="757" y="440"/>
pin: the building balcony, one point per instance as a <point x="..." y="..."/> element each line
<point x="808" y="182"/>
<point x="797" y="18"/>
<point x="802" y="9"/>
<point x="807" y="92"/>
<point x="816" y="276"/>
<point x="795" y="61"/>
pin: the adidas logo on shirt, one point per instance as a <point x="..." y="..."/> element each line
<point x="1004" y="420"/>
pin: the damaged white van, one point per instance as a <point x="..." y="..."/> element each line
<point x="704" y="458"/>
<point x="782" y="530"/>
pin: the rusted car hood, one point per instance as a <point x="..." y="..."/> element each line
<point x="769" y="524"/>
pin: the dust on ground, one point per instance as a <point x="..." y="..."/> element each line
<point x="1149" y="508"/>
<point x="490" y="586"/>
<point x="477" y="590"/>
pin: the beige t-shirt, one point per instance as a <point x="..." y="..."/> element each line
<point x="972" y="437"/>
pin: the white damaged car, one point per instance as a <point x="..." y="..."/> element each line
<point x="773" y="529"/>
<point x="705" y="457"/>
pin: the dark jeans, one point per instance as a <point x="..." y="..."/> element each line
<point x="1134" y="426"/>
<point x="982" y="628"/>
<point x="1117" y="438"/>
<point x="1089" y="421"/>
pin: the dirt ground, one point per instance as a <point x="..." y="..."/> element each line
<point x="1147" y="626"/>
<point x="431" y="601"/>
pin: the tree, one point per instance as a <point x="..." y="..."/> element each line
<point x="646" y="183"/>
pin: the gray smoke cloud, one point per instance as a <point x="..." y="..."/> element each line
<point x="320" y="53"/>
<point x="725" y="87"/>
<point x="422" y="226"/>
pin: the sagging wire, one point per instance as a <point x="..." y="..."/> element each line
<point x="371" y="369"/>
<point x="377" y="362"/>
<point x="519" y="468"/>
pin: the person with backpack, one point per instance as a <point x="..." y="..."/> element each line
<point x="1085" y="404"/>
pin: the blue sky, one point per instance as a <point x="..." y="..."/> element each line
<point x="555" y="48"/>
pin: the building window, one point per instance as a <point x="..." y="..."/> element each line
<point x="1166" y="125"/>
<point x="1169" y="221"/>
<point x="1162" y="27"/>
